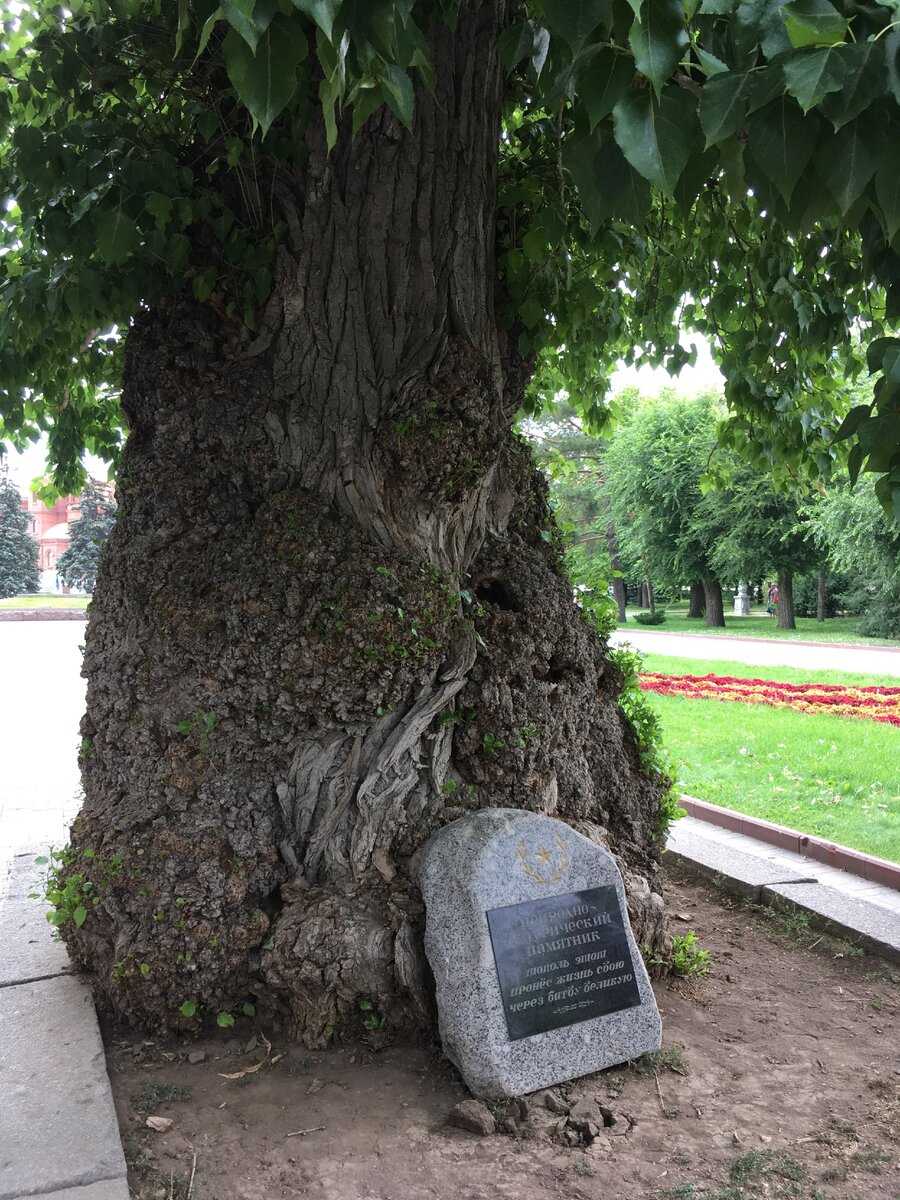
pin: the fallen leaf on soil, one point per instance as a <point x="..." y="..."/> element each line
<point x="159" y="1124"/>
<point x="315" y="1086"/>
<point x="252" y="1069"/>
<point x="683" y="916"/>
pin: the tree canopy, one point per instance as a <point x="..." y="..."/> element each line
<point x="716" y="166"/>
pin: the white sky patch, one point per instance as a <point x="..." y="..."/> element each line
<point x="32" y="463"/>
<point x="703" y="376"/>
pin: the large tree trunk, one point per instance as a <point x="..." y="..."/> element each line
<point x="786" y="601"/>
<point x="697" y="603"/>
<point x="326" y="622"/>
<point x="712" y="593"/>
<point x="821" y="599"/>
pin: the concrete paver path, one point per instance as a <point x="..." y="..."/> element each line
<point x="763" y="652"/>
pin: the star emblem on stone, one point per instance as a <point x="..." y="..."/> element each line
<point x="543" y="855"/>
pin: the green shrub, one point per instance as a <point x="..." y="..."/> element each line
<point x="881" y="616"/>
<point x="650" y="618"/>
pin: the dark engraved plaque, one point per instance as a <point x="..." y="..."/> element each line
<point x="561" y="960"/>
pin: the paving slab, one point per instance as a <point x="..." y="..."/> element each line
<point x="106" y="1189"/>
<point x="28" y="950"/>
<point x="742" y="873"/>
<point x="56" y="1109"/>
<point x="866" y="924"/>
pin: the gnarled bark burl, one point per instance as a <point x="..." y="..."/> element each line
<point x="327" y="621"/>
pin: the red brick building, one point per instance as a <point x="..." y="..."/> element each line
<point x="50" y="529"/>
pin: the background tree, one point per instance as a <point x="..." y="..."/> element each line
<point x="767" y="533"/>
<point x="342" y="237"/>
<point x="18" y="549"/>
<point x="864" y="546"/>
<point x="655" y="464"/>
<point x="78" y="563"/>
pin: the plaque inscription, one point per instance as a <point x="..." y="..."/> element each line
<point x="562" y="959"/>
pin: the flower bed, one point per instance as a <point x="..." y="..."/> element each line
<point x="871" y="703"/>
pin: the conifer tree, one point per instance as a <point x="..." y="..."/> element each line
<point x="78" y="564"/>
<point x="18" y="549"/>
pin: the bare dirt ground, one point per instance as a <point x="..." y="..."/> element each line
<point x="779" y="1078"/>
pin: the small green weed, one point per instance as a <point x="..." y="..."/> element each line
<point x="372" y="1020"/>
<point x="583" y="1167"/>
<point x="153" y="1096"/>
<point x="688" y="957"/>
<point x="671" y="1059"/>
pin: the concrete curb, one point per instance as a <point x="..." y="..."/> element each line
<point x="869" y="916"/>
<point x="866" y="866"/>
<point x="736" y="637"/>
<point x="43" y="614"/>
<point x="60" y="1132"/>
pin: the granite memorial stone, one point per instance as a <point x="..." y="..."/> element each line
<point x="538" y="975"/>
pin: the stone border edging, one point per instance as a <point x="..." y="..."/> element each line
<point x="866" y="866"/>
<point x="736" y="637"/>
<point x="43" y="614"/>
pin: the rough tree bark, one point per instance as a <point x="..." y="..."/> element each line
<point x="697" y="603"/>
<point x="326" y="622"/>
<point x="821" y="598"/>
<point x="785" y="608"/>
<point x="712" y="594"/>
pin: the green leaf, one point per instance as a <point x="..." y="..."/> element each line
<point x="247" y="19"/>
<point x="813" y="23"/>
<point x="322" y="12"/>
<point x="188" y="1008"/>
<point x="811" y="75"/>
<point x="225" y="1020"/>
<point x="892" y="57"/>
<point x="864" y="81"/>
<point x="724" y="103"/>
<point x="145" y="969"/>
<point x="266" y="81"/>
<point x="248" y="1009"/>
<point x="79" y="916"/>
<point x="604" y="82"/>
<point x="854" y="463"/>
<point x="659" y="40"/>
<point x="116" y="235"/>
<point x="654" y="136"/>
<point x="398" y="90"/>
<point x="881" y="354"/>
<point x="607" y="185"/>
<point x="852" y="421"/>
<point x="710" y="64"/>
<point x="880" y="440"/>
<point x="159" y="206"/>
<point x="846" y="165"/>
<point x="518" y="42"/>
<point x="781" y="143"/>
<point x="574" y="20"/>
<point x="887" y="191"/>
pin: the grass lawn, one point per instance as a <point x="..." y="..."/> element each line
<point x="46" y="602"/>
<point x="834" y="629"/>
<point x="668" y="664"/>
<point x="836" y="777"/>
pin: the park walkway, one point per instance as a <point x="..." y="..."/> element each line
<point x="762" y="652"/>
